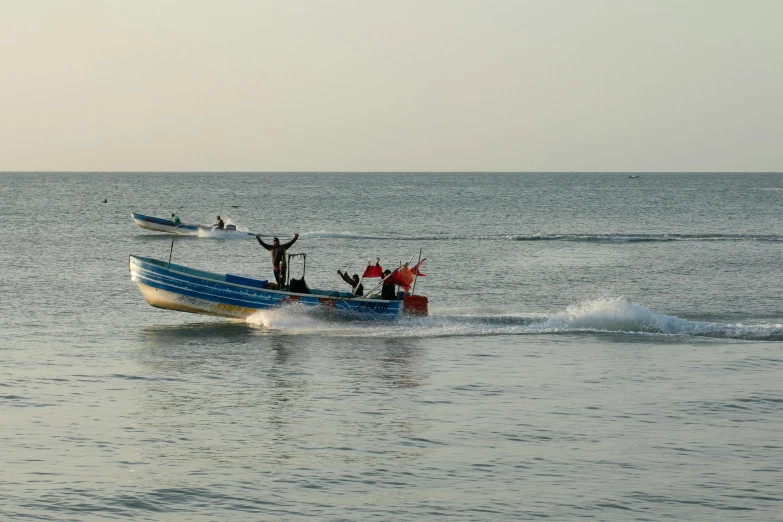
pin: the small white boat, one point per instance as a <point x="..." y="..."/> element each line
<point x="169" y="227"/>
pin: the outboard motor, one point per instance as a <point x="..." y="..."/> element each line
<point x="231" y="227"/>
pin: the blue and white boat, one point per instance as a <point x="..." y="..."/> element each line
<point x="176" y="287"/>
<point x="168" y="226"/>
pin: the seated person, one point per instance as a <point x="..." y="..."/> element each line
<point x="219" y="225"/>
<point x="389" y="290"/>
<point x="175" y="219"/>
<point x="356" y="285"/>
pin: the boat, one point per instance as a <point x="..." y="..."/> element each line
<point x="633" y="176"/>
<point x="177" y="287"/>
<point x="168" y="226"/>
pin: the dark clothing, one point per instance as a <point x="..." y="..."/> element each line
<point x="298" y="286"/>
<point x="277" y="251"/>
<point x="389" y="289"/>
<point x="219" y="224"/>
<point x="389" y="292"/>
<point x="358" y="289"/>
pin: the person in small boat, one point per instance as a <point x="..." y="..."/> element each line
<point x="278" y="253"/>
<point x="355" y="282"/>
<point x="219" y="225"/>
<point x="389" y="290"/>
<point x="175" y="219"/>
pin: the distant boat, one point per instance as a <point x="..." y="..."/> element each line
<point x="168" y="226"/>
<point x="177" y="287"/>
<point x="633" y="176"/>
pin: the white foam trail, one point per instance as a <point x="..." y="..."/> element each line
<point x="618" y="315"/>
<point x="240" y="233"/>
<point x="223" y="234"/>
<point x="299" y="319"/>
<point x="290" y="318"/>
<point x="540" y="236"/>
<point x="599" y="315"/>
<point x="615" y="315"/>
<point x="324" y="234"/>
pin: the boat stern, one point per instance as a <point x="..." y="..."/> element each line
<point x="415" y="305"/>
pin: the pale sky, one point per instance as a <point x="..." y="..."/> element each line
<point x="394" y="85"/>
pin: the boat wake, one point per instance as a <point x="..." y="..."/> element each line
<point x="599" y="316"/>
<point x="239" y="233"/>
<point x="591" y="238"/>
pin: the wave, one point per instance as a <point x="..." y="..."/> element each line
<point x="241" y="232"/>
<point x="604" y="315"/>
<point x="618" y="315"/>
<point x="221" y="234"/>
<point x="598" y="238"/>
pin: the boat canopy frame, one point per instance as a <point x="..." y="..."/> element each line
<point x="288" y="266"/>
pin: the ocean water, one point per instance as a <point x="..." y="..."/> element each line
<point x="598" y="348"/>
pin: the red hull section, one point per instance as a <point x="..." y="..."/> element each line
<point x="415" y="305"/>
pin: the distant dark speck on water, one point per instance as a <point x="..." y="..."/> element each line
<point x="105" y="201"/>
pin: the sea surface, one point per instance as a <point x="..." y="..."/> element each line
<point x="599" y="347"/>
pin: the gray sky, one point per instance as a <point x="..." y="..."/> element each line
<point x="403" y="85"/>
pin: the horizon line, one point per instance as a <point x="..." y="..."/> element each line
<point x="391" y="172"/>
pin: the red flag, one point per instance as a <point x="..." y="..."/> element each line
<point x="373" y="271"/>
<point x="416" y="270"/>
<point x="394" y="278"/>
<point x="402" y="278"/>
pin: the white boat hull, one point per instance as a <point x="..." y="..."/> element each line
<point x="183" y="303"/>
<point x="167" y="226"/>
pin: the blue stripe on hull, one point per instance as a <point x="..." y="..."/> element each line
<point x="214" y="289"/>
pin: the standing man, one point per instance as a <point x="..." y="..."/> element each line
<point x="278" y="252"/>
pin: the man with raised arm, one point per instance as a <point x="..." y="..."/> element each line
<point x="357" y="289"/>
<point x="278" y="253"/>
